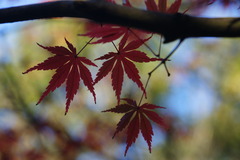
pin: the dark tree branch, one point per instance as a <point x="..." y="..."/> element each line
<point x="176" y="26"/>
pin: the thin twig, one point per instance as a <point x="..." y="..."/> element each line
<point x="162" y="62"/>
<point x="159" y="55"/>
<point x="168" y="56"/>
<point x="165" y="66"/>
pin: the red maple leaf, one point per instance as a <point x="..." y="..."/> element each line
<point x="136" y="119"/>
<point x="121" y="61"/>
<point x="69" y="67"/>
<point x="108" y="32"/>
<point x="162" y="6"/>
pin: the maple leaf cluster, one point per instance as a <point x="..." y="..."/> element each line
<point x="72" y="68"/>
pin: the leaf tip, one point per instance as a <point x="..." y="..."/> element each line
<point x="126" y="150"/>
<point x="66" y="40"/>
<point x="66" y="111"/>
<point x="40" y="45"/>
<point x="95" y="100"/>
<point x="39" y="102"/>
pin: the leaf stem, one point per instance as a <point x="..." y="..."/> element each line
<point x="160" y="47"/>
<point x="115" y="46"/>
<point x="85" y="46"/>
<point x="149" y="75"/>
<point x="148" y="47"/>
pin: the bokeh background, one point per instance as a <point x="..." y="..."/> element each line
<point x="202" y="96"/>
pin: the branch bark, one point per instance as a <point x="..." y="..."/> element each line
<point x="171" y="26"/>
